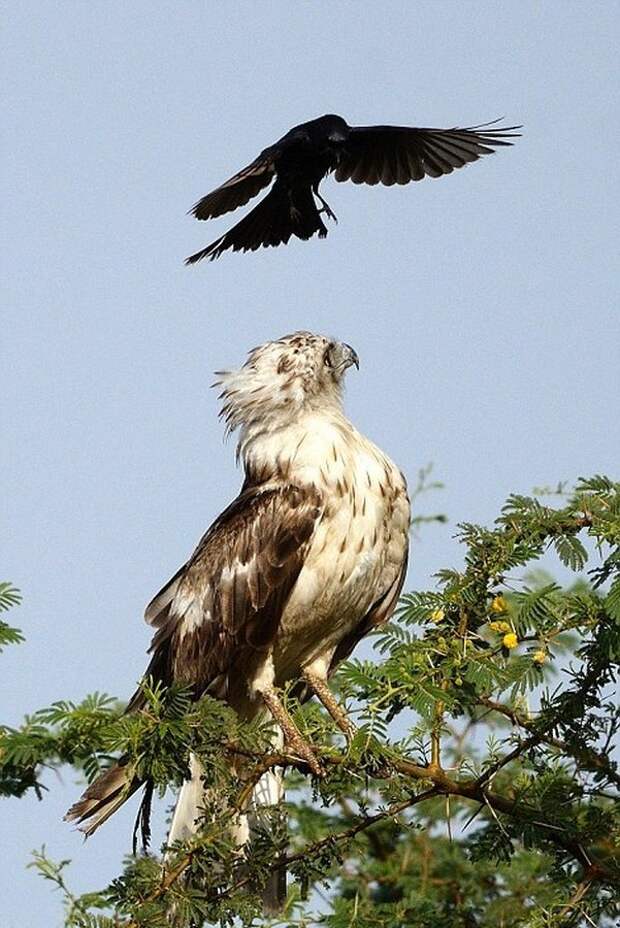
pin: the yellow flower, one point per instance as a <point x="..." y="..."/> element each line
<point x="499" y="604"/>
<point x="437" y="615"/>
<point x="500" y="626"/>
<point x="539" y="657"/>
<point x="510" y="640"/>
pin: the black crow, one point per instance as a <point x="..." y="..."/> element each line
<point x="305" y="155"/>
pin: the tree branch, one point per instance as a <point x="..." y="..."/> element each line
<point x="473" y="790"/>
<point x="172" y="875"/>
<point x="588" y="758"/>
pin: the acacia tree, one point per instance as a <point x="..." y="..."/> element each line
<point x="479" y="787"/>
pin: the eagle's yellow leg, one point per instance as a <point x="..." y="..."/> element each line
<point x="318" y="685"/>
<point x="292" y="734"/>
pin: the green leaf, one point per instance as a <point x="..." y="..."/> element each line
<point x="9" y="635"/>
<point x="535" y="608"/>
<point x="612" y="601"/>
<point x="9" y="596"/>
<point x="571" y="551"/>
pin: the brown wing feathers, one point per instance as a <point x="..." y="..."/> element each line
<point x="231" y="593"/>
<point x="216" y="616"/>
<point x="103" y="797"/>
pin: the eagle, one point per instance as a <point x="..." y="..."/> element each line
<point x="298" y="162"/>
<point x="309" y="558"/>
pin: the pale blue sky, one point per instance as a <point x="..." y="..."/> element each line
<point x="483" y="305"/>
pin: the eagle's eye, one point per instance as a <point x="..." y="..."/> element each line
<point x="327" y="359"/>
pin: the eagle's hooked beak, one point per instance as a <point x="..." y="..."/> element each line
<point x="341" y="356"/>
<point x="350" y="357"/>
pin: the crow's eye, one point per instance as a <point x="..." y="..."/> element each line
<point x="327" y="360"/>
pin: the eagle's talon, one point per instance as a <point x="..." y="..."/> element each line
<point x="318" y="685"/>
<point x="303" y="750"/>
<point x="292" y="735"/>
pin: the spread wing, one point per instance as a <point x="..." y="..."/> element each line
<point x="237" y="190"/>
<point x="397" y="154"/>
<point x="219" y="612"/>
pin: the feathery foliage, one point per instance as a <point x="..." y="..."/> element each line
<point x="9" y="596"/>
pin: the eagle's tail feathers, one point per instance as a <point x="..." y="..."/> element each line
<point x="187" y="808"/>
<point x="267" y="794"/>
<point x="103" y="797"/>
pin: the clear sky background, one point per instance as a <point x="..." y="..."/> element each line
<point x="483" y="305"/>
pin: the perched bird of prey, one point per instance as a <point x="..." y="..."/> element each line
<point x="299" y="161"/>
<point x="308" y="558"/>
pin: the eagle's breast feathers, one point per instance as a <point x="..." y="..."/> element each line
<point x="290" y="570"/>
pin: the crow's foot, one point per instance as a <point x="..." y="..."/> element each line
<point x="326" y="208"/>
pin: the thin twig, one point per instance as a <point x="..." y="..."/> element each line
<point x="587" y="757"/>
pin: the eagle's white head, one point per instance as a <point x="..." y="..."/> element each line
<point x="283" y="379"/>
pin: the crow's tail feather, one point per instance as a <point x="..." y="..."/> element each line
<point x="278" y="216"/>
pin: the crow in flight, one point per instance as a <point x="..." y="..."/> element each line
<point x="305" y="155"/>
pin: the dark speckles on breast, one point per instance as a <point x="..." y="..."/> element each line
<point x="284" y="364"/>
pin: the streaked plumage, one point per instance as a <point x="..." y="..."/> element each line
<point x="307" y="153"/>
<point x="308" y="558"/>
